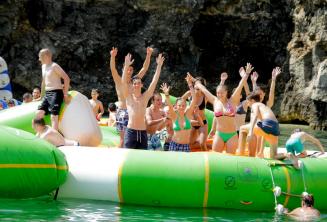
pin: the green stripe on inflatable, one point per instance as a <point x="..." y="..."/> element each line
<point x="168" y="179"/>
<point x="29" y="167"/>
<point x="21" y="116"/>
<point x="178" y="180"/>
<point x="110" y="136"/>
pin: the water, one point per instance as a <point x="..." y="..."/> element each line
<point x="46" y="209"/>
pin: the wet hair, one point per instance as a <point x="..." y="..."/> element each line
<point x="11" y="102"/>
<point x="154" y="95"/>
<point x="39" y="121"/>
<point x="254" y="95"/>
<point x="297" y="130"/>
<point x="308" y="200"/>
<point x="27" y="96"/>
<point x="112" y="107"/>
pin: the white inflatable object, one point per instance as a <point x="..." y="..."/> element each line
<point x="5" y="87"/>
<point x="277" y="191"/>
<point x="77" y="121"/>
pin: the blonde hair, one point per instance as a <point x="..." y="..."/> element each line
<point x="46" y="51"/>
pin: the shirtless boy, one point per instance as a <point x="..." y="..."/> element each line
<point x="96" y="104"/>
<point x="136" y="102"/>
<point x="55" y="93"/>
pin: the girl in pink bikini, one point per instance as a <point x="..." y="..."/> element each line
<point x="224" y="110"/>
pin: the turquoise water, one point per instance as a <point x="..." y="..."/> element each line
<point x="46" y="209"/>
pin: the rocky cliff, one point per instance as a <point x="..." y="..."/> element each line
<point x="201" y="36"/>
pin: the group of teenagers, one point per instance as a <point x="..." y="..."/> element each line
<point x="185" y="124"/>
<point x="140" y="127"/>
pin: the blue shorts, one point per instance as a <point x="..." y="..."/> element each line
<point x="294" y="146"/>
<point x="135" y="139"/>
<point x="269" y="126"/>
<point x="121" y="119"/>
<point x="179" y="147"/>
<point x="154" y="142"/>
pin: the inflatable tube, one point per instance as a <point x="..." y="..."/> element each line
<point x="5" y="87"/>
<point x="29" y="167"/>
<point x="76" y="120"/>
<point x="177" y="179"/>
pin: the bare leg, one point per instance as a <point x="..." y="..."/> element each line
<point x="242" y="139"/>
<point x="55" y="122"/>
<point x="218" y="144"/>
<point x="202" y="137"/>
<point x="40" y="114"/>
<point x="231" y="145"/>
<point x="121" y="142"/>
<point x="252" y="146"/>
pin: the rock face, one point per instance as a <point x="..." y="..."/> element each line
<point x="305" y="95"/>
<point x="204" y="37"/>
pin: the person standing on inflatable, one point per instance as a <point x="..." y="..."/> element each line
<point x="55" y="92"/>
<point x="5" y="87"/>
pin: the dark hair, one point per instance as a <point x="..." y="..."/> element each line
<point x="254" y="95"/>
<point x="308" y="200"/>
<point x="11" y="102"/>
<point x="40" y="121"/>
<point x="155" y="94"/>
<point x="95" y="90"/>
<point x="136" y="78"/>
<point x="112" y="107"/>
<point x="179" y="99"/>
<point x="201" y="79"/>
<point x="297" y="130"/>
<point x="27" y="96"/>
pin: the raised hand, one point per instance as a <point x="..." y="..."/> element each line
<point x="254" y="77"/>
<point x="160" y="59"/>
<point x="189" y="74"/>
<point x="248" y="68"/>
<point x="128" y="60"/>
<point x="189" y="79"/>
<point x="165" y="88"/>
<point x="149" y="50"/>
<point x="113" y="52"/>
<point x="242" y="72"/>
<point x="275" y="72"/>
<point x="223" y="76"/>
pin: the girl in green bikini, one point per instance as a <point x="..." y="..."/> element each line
<point x="181" y="118"/>
<point x="224" y="109"/>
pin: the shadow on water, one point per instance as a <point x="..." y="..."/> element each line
<point x="46" y="209"/>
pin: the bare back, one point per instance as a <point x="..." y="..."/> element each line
<point x="154" y="115"/>
<point x="52" y="136"/>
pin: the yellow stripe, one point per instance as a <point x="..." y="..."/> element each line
<point x="120" y="171"/>
<point x="72" y="94"/>
<point x="288" y="182"/>
<point x="31" y="166"/>
<point x="206" y="183"/>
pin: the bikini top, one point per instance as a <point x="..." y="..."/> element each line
<point x="202" y="106"/>
<point x="229" y="111"/>
<point x="187" y="124"/>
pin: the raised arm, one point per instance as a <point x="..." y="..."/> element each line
<point x="165" y="89"/>
<point x="254" y="78"/>
<point x="237" y="93"/>
<point x="190" y="110"/>
<point x="125" y="77"/>
<point x="149" y="92"/>
<point x="186" y="95"/>
<point x="246" y="85"/>
<point x="114" y="72"/>
<point x="146" y="63"/>
<point x="314" y="140"/>
<point x="211" y="98"/>
<point x="223" y="77"/>
<point x="276" y="71"/>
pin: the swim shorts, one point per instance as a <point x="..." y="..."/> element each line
<point x="52" y="102"/>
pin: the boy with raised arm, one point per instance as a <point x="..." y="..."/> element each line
<point x="51" y="86"/>
<point x="122" y="114"/>
<point x="136" y="102"/>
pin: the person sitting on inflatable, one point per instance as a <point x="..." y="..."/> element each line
<point x="51" y="135"/>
